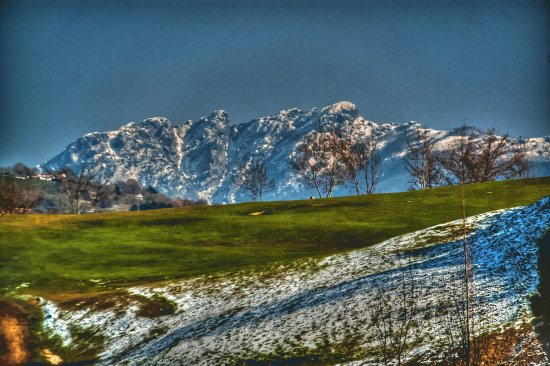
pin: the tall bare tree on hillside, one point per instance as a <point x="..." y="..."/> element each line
<point x="464" y="342"/>
<point x="319" y="160"/>
<point x="421" y="161"/>
<point x="362" y="161"/>
<point x="335" y="149"/>
<point x="132" y="190"/>
<point x="499" y="157"/>
<point x="307" y="162"/>
<point x="370" y="161"/>
<point x="459" y="160"/>
<point x="18" y="194"/>
<point x="253" y="177"/>
<point x="396" y="319"/>
<point x="8" y="194"/>
<point x="475" y="157"/>
<point x="100" y="190"/>
<point x="74" y="185"/>
<point x="353" y="169"/>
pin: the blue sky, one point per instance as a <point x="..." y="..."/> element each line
<point x="71" y="67"/>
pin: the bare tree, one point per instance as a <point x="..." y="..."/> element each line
<point x="319" y="160"/>
<point x="372" y="171"/>
<point x="18" y="194"/>
<point x="353" y="169"/>
<point x="459" y="161"/>
<point x="455" y="325"/>
<point x="99" y="192"/>
<point x="370" y="161"/>
<point x="474" y="158"/>
<point x="132" y="190"/>
<point x="499" y="157"/>
<point x="307" y="161"/>
<point x="253" y="177"/>
<point x="520" y="166"/>
<point x="335" y="149"/>
<point x="30" y="192"/>
<point x="421" y="161"/>
<point x="464" y="341"/>
<point x="100" y="189"/>
<point x="21" y="170"/>
<point x="74" y="185"/>
<point x="8" y="194"/>
<point x="396" y="318"/>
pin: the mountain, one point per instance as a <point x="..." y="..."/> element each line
<point x="199" y="160"/>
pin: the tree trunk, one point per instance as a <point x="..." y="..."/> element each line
<point x="466" y="281"/>
<point x="318" y="190"/>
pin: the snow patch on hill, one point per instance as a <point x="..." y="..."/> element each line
<point x="287" y="309"/>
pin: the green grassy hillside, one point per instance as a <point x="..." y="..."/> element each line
<point x="55" y="254"/>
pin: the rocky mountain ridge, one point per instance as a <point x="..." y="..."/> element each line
<point x="199" y="159"/>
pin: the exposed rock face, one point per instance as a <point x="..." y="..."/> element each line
<point x="199" y="160"/>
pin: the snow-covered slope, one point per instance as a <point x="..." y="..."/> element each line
<point x="199" y="160"/>
<point x="319" y="305"/>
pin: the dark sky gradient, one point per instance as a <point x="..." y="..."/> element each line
<point x="71" y="67"/>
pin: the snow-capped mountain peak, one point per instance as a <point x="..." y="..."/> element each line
<point x="199" y="159"/>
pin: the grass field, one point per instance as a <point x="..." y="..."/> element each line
<point x="56" y="254"/>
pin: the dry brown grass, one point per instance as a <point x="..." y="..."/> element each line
<point x="13" y="336"/>
<point x="512" y="347"/>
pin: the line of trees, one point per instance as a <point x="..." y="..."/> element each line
<point x="64" y="190"/>
<point x="472" y="157"/>
<point x="325" y="160"/>
<point x="321" y="160"/>
<point x="18" y="195"/>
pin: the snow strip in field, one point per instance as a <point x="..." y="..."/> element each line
<point x="287" y="309"/>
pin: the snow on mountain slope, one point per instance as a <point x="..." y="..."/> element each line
<point x="204" y="150"/>
<point x="199" y="160"/>
<point x="319" y="304"/>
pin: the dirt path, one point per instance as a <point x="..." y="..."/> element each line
<point x="14" y="335"/>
